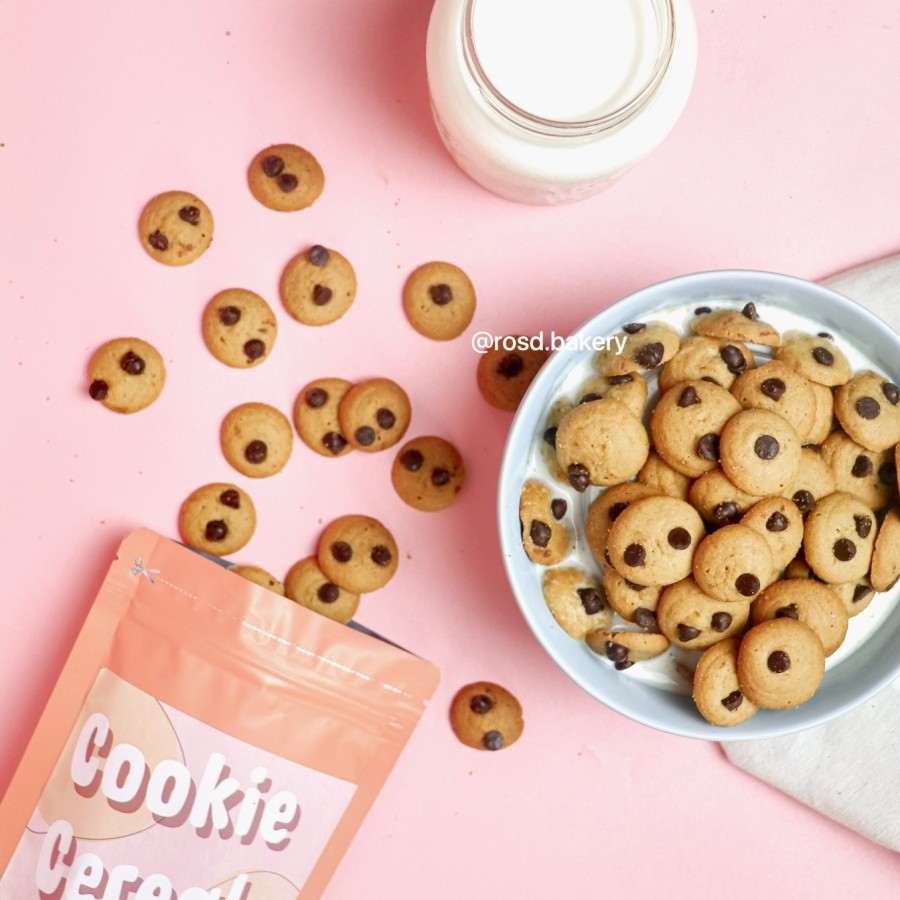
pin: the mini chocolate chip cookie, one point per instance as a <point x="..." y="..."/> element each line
<point x="503" y="375"/>
<point x="886" y="555"/>
<point x="306" y="584"/>
<point x="824" y="418"/>
<point x="316" y="416"/>
<point x="548" y="443"/>
<point x="256" y="439"/>
<point x="625" y="648"/>
<point x="217" y="518"/>
<point x="374" y="414"/>
<point x="657" y="473"/>
<point x="780" y="389"/>
<point x="855" y="595"/>
<point x="318" y="286"/>
<point x="428" y="474"/>
<point x="358" y="554"/>
<point x="239" y="328"/>
<point x="545" y="536"/>
<point x="126" y="375"/>
<point x="285" y="177"/>
<point x="780" y="663"/>
<point x="653" y="540"/>
<point x="868" y="408"/>
<point x="176" y="228"/>
<point x="439" y="300"/>
<point x="733" y="564"/>
<point x="633" y="602"/>
<point x="606" y="508"/>
<point x="780" y="522"/>
<point x="815" y="479"/>
<point x="718" y="695"/>
<point x="576" y="600"/>
<point x="706" y="359"/>
<point x="717" y="500"/>
<point x="760" y="452"/>
<point x="869" y="475"/>
<point x="260" y="576"/>
<point x="736" y="325"/>
<point x="486" y="716"/>
<point x="630" y="390"/>
<point x="816" y="358"/>
<point x="839" y="537"/>
<point x="647" y="345"/>
<point x="692" y="619"/>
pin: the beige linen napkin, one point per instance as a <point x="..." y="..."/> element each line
<point x="849" y="768"/>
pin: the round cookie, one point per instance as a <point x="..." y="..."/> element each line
<point x="780" y="389"/>
<point x="694" y="620"/>
<point x="780" y="522"/>
<point x="798" y="567"/>
<point x="486" y="716"/>
<point x="358" y="554"/>
<point x="374" y="414"/>
<point x="176" y="228"/>
<point x="736" y="325"/>
<point x="306" y="584"/>
<point x="261" y="577"/>
<point x="548" y="442"/>
<point x="838" y="538"/>
<point x="285" y="177"/>
<point x="815" y="479"/>
<point x="439" y="300"/>
<point x="886" y="556"/>
<point x="717" y="500"/>
<point x="815" y="358"/>
<point x="824" y="418"/>
<point x="686" y="424"/>
<point x="503" y="375"/>
<point x="656" y="472"/>
<point x="601" y="443"/>
<point x="855" y="595"/>
<point x="633" y="602"/>
<point x="126" y="375"/>
<point x="576" y="601"/>
<point x="868" y="408"/>
<point x="653" y="540"/>
<point x="625" y="648"/>
<point x="428" y="473"/>
<point x="647" y="345"/>
<point x="703" y="359"/>
<point x="733" y="564"/>
<point x="760" y="452"/>
<point x="545" y="537"/>
<point x="606" y="508"/>
<point x="866" y="474"/>
<point x="808" y="601"/>
<point x="630" y="390"/>
<point x="217" y="518"/>
<point x="318" y="286"/>
<point x="256" y="439"/>
<point x="316" y="416"/>
<point x="780" y="663"/>
<point x="716" y="690"/>
<point x="239" y="328"/>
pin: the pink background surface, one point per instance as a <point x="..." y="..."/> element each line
<point x="785" y="159"/>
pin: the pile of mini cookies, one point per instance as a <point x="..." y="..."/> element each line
<point x="753" y="518"/>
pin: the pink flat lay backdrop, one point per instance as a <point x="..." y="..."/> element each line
<point x="786" y="159"/>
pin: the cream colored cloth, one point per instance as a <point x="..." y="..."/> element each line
<point x="849" y="768"/>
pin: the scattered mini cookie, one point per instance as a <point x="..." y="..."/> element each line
<point x="545" y="536"/>
<point x="625" y="648"/>
<point x="126" y="375"/>
<point x="760" y="452"/>
<point x="260" y="576"/>
<point x="716" y="691"/>
<point x="691" y="619"/>
<point x="706" y="359"/>
<point x="646" y="346"/>
<point x="548" y="442"/>
<point x="780" y="522"/>
<point x="633" y="602"/>
<point x="256" y="439"/>
<point x="357" y="553"/>
<point x="855" y="595"/>
<point x="733" y="564"/>
<point x="176" y="228"/>
<point x="316" y="416"/>
<point x="606" y="508"/>
<point x="239" y="328"/>
<point x="868" y="408"/>
<point x="576" y="600"/>
<point x="486" y="716"/>
<point x="285" y="177"/>
<point x="782" y="390"/>
<point x="886" y="555"/>
<point x="657" y="473"/>
<point x="824" y="418"/>
<point x="428" y="473"/>
<point x="503" y="375"/>
<point x="374" y="414"/>
<point x="318" y="286"/>
<point x="630" y="390"/>
<point x="815" y="479"/>
<point x="816" y="358"/>
<point x="717" y="500"/>
<point x="736" y="325"/>
<point x="838" y="538"/>
<point x="439" y="300"/>
<point x="217" y="518"/>
<point x="306" y="584"/>
<point x="867" y="474"/>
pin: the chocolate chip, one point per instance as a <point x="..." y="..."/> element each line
<point x="749" y="311"/>
<point x="510" y="366"/>
<point x="334" y="441"/>
<point x="385" y="418"/>
<point x="733" y="359"/>
<point x="481" y="704"/>
<point x="558" y="507"/>
<point x="591" y="601"/>
<point x="412" y="460"/>
<point x="708" y="447"/>
<point x="440" y="294"/>
<point x="590" y="398"/>
<point x="341" y="551"/>
<point x="868" y="407"/>
<point x="316" y="398"/>
<point x="891" y="393"/>
<point x="321" y="295"/>
<point x="365" y="436"/>
<point x="702" y="310"/>
<point x="493" y="740"/>
<point x="776" y="522"/>
<point x="616" y="510"/>
<point x="826" y="335"/>
<point x="539" y="533"/>
<point x="216" y="530"/>
<point x="787" y="612"/>
<point x="844" y="549"/>
<point x="189" y="214"/>
<point x="778" y="662"/>
<point x="318" y="255"/>
<point x="381" y="555"/>
<point x="255" y="452"/>
<point x="766" y="447"/>
<point x="634" y="555"/>
<point x="579" y="477"/>
<point x="720" y="621"/>
<point x="862" y="466"/>
<point x="229" y="315"/>
<point x="440" y="477"/>
<point x="805" y="501"/>
<point x="887" y="474"/>
<point x="328" y="592"/>
<point x="99" y="389"/>
<point x="272" y="166"/>
<point x="688" y="397"/>
<point x="254" y="348"/>
<point x="633" y="327"/>
<point x="860" y="592"/>
<point x="773" y="388"/>
<point x="287" y="182"/>
<point x="621" y="379"/>
<point x="863" y="525"/>
<point x="726" y="513"/>
<point x="230" y="498"/>
<point x="645" y="618"/>
<point x="635" y="587"/>
<point x="650" y="355"/>
<point x="747" y="585"/>
<point x="550" y="436"/>
<point x="132" y="363"/>
<point x="687" y="632"/>
<point x="615" y="652"/>
<point x="733" y="701"/>
<point x="624" y="664"/>
<point x="823" y="356"/>
<point x="679" y="538"/>
<point x="158" y="241"/>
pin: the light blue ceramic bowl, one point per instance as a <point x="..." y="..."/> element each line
<point x="848" y="683"/>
